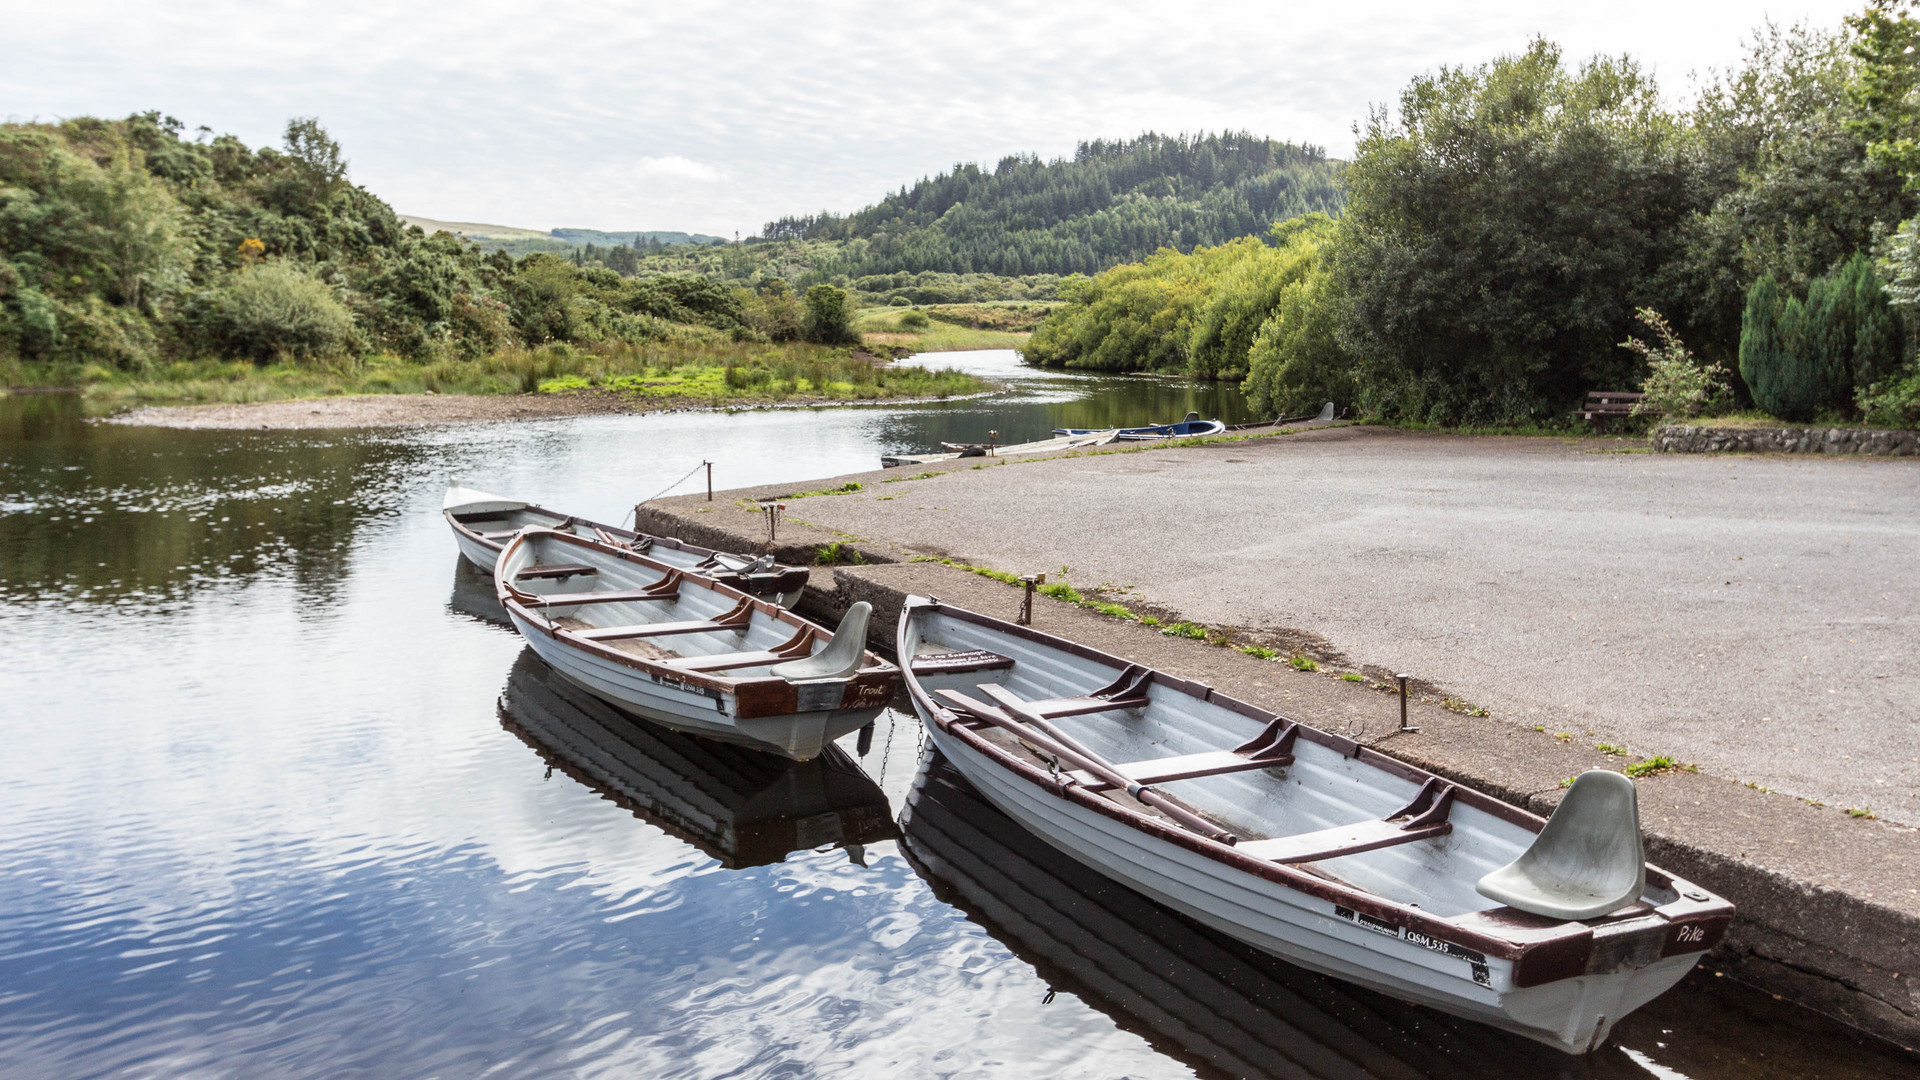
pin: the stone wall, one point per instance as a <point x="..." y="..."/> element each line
<point x="1705" y="439"/>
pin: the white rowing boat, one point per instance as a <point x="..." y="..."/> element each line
<point x="1218" y="1005"/>
<point x="954" y="451"/>
<point x="482" y="523"/>
<point x="685" y="651"/>
<point x="1307" y="845"/>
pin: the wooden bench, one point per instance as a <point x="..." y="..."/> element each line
<point x="1425" y="816"/>
<point x="553" y="570"/>
<point x="795" y="647"/>
<point x="1604" y="404"/>
<point x="667" y="589"/>
<point x="737" y="620"/>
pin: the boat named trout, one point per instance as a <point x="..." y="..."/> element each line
<point x="686" y="651"/>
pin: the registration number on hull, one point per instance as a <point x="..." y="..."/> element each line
<point x="1477" y="961"/>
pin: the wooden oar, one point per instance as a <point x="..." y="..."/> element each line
<point x="1090" y="762"/>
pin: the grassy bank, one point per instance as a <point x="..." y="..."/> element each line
<point x="653" y="376"/>
<point x="952" y="327"/>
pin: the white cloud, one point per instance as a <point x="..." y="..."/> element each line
<point x="717" y="117"/>
<point x="674" y="167"/>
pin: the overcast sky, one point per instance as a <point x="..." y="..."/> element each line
<point x="717" y="117"/>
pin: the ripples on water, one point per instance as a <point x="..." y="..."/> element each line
<point x="281" y="798"/>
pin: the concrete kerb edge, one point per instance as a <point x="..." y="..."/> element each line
<point x="1820" y="947"/>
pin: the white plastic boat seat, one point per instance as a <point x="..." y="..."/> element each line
<point x="957" y="663"/>
<point x="500" y="534"/>
<point x="1183" y="767"/>
<point x="843" y="655"/>
<point x="1587" y="862"/>
<point x="1425" y="816"/>
<point x="553" y="570"/>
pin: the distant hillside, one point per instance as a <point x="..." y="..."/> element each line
<point x="1112" y="202"/>
<point x="517" y="241"/>
<point x="660" y="238"/>
<point x="472" y="229"/>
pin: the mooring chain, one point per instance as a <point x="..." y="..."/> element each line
<point x="662" y="491"/>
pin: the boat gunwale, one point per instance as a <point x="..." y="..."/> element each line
<point x="1543" y="950"/>
<point x="874" y="669"/>
<point x="782" y="577"/>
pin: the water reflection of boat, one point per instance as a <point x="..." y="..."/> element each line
<point x="483" y="523"/>
<point x="1212" y="1001"/>
<point x="473" y="595"/>
<point x="742" y="807"/>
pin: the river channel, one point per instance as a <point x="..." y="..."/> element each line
<point x="280" y="796"/>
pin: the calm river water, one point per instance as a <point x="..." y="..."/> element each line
<point x="280" y="797"/>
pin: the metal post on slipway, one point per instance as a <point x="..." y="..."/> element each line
<point x="1026" y="598"/>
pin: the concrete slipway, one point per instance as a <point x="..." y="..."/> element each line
<point x="1756" y="616"/>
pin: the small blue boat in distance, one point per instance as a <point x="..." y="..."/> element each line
<point x="1187" y="428"/>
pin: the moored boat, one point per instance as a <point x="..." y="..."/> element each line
<point x="686" y="651"/>
<point x="1191" y="427"/>
<point x="482" y="524"/>
<point x="1220" y="1005"/>
<point x="739" y="805"/>
<point x="951" y="451"/>
<point x="1308" y="845"/>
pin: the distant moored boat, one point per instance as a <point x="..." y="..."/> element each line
<point x="1190" y="427"/>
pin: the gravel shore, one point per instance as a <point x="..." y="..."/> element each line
<point x="375" y="410"/>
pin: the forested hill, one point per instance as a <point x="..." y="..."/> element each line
<point x="1112" y="202"/>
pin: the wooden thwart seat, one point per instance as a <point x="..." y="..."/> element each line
<point x="1271" y="749"/>
<point x="554" y="570"/>
<point x="795" y="646"/>
<point x="667" y="588"/>
<point x="954" y="663"/>
<point x="1425" y="816"/>
<point x="736" y="620"/>
<point x="1129" y="691"/>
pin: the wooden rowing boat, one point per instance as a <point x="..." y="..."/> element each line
<point x="739" y="805"/>
<point x="482" y="523"/>
<point x="686" y="651"/>
<point x="1218" y="1004"/>
<point x="1307" y="845"/>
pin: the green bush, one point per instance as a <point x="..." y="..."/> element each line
<point x="1802" y="359"/>
<point x="276" y="310"/>
<point x="914" y="320"/>
<point x="829" y="316"/>
<point x="1677" y="385"/>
